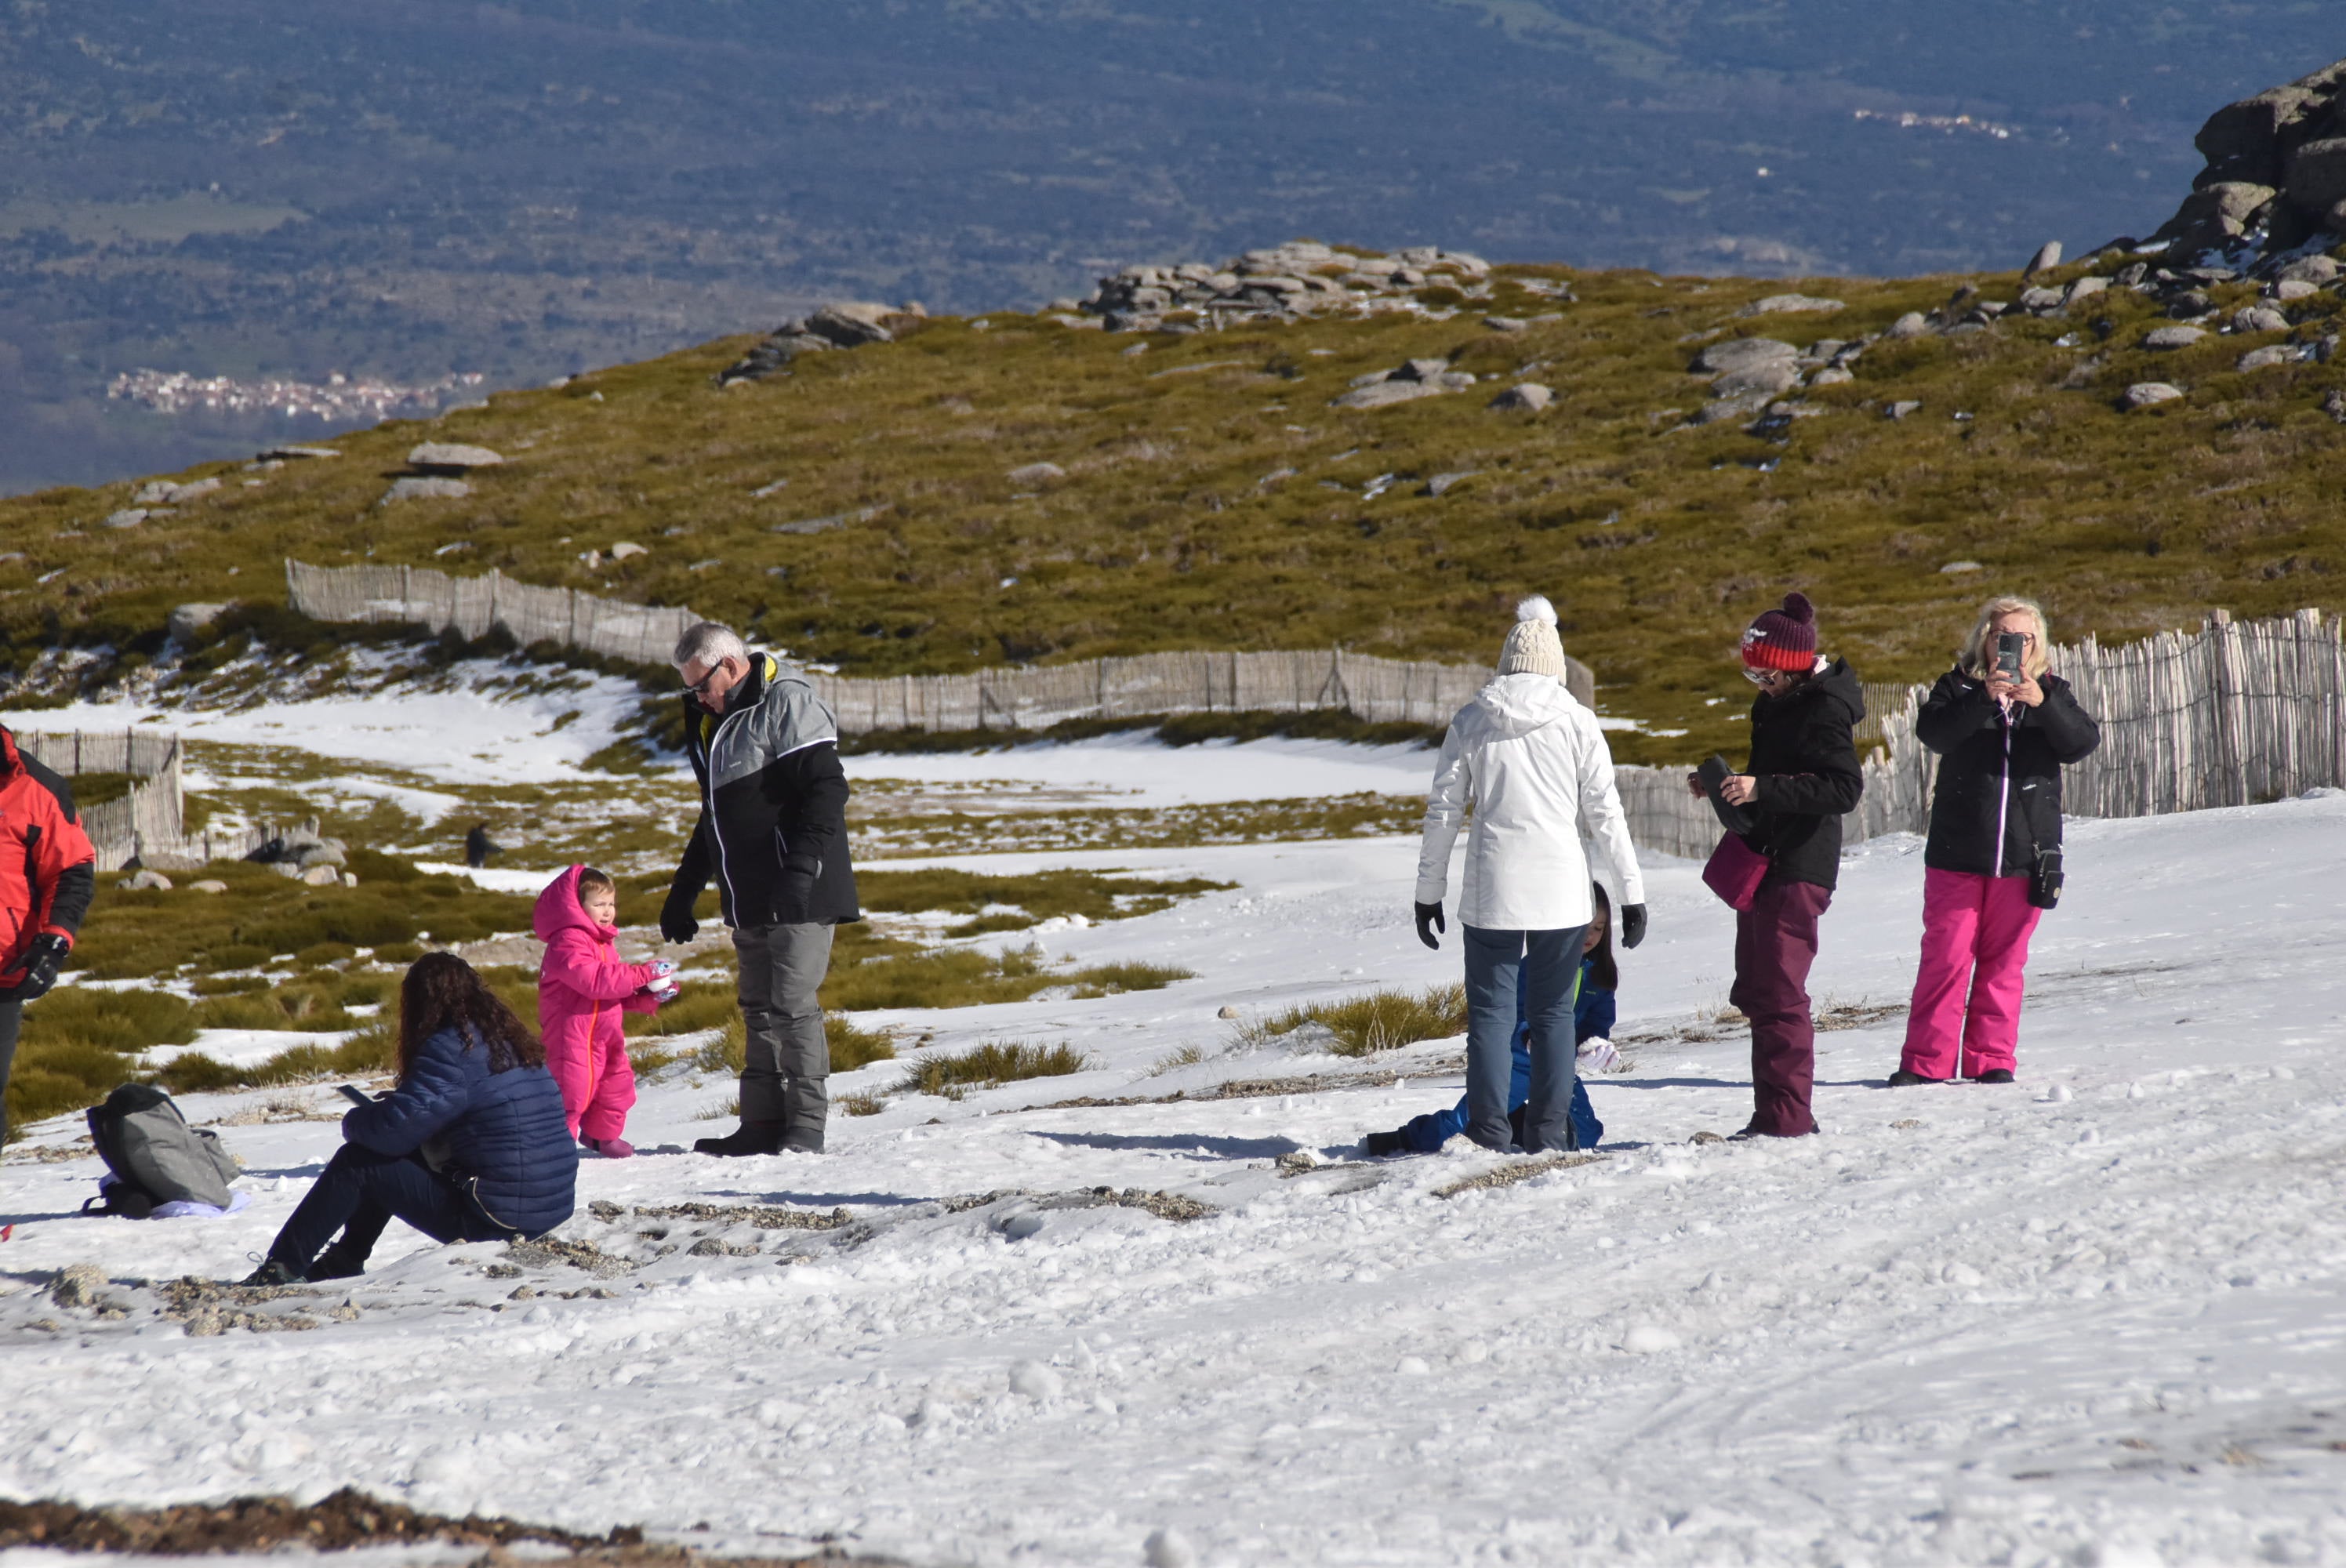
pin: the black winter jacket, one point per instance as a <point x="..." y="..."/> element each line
<point x="773" y="805"/>
<point x="1805" y="758"/>
<point x="1990" y="812"/>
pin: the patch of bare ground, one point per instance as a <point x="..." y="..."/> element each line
<point x="1518" y="1171"/>
<point x="346" y="1520"/>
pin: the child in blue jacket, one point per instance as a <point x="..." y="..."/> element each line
<point x="1592" y="1019"/>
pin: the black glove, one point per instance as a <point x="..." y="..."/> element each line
<point x="1429" y="921"/>
<point x="42" y="959"/>
<point x="677" y="923"/>
<point x="1633" y="924"/>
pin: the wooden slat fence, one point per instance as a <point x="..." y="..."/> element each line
<point x="1377" y="690"/>
<point x="152" y="811"/>
<point x="2235" y="712"/>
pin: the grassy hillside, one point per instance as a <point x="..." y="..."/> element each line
<point x="1213" y="497"/>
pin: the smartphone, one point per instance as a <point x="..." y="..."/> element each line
<point x="354" y="1094"/>
<point x="2010" y="648"/>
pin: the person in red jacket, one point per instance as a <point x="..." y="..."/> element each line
<point x="47" y="872"/>
<point x="582" y="988"/>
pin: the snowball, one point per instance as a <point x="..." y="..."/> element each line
<point x="1649" y="1339"/>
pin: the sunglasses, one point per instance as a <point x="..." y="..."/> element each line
<point x="697" y="690"/>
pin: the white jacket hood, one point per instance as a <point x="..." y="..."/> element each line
<point x="1516" y="705"/>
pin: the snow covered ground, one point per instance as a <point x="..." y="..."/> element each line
<point x="2095" y="1316"/>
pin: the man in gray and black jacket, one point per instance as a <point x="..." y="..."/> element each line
<point x="773" y="833"/>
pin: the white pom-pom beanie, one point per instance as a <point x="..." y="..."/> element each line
<point x="1532" y="647"/>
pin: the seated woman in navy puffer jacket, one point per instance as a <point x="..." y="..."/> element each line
<point x="471" y="1145"/>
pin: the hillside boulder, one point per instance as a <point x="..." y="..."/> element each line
<point x="1382" y="394"/>
<point x="448" y="457"/>
<point x="1790" y="304"/>
<point x="2149" y="394"/>
<point x="1736" y="354"/>
<point x="1528" y="397"/>
<point x="416" y="487"/>
<point x="2168" y="339"/>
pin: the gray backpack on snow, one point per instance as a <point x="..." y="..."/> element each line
<point x="155" y="1156"/>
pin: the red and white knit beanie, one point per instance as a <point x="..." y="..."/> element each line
<point x="1783" y="638"/>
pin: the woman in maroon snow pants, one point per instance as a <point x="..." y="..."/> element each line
<point x="1803" y="776"/>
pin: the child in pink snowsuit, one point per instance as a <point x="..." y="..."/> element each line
<point x="582" y="988"/>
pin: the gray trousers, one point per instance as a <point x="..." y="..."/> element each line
<point x="1543" y="969"/>
<point x="784" y="1077"/>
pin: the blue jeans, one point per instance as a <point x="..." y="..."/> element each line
<point x="360" y="1192"/>
<point x="1544" y="967"/>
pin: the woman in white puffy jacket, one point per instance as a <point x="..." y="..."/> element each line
<point x="1534" y="766"/>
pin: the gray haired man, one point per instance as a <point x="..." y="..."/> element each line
<point x="773" y="832"/>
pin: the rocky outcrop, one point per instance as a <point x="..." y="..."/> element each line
<point x="848" y="325"/>
<point x="2276" y="174"/>
<point x="1301" y="277"/>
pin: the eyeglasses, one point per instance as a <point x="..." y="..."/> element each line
<point x="1765" y="677"/>
<point x="697" y="690"/>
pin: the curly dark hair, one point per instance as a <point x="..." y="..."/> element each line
<point x="1604" y="971"/>
<point x="441" y="991"/>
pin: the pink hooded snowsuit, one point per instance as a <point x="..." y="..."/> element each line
<point x="582" y="988"/>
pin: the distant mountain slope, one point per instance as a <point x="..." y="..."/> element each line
<point x="1026" y="488"/>
<point x="232" y="186"/>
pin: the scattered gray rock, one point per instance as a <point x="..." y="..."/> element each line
<point x="319" y="876"/>
<point x="1226" y="1011"/>
<point x="1766" y="376"/>
<point x="2289" y="290"/>
<point x="1736" y="354"/>
<point x="2267" y="357"/>
<point x="2149" y="394"/>
<point x="1442" y="485"/>
<point x="1422" y="369"/>
<point x="2258" y="318"/>
<point x="2048" y="257"/>
<point x="1904" y="409"/>
<point x="163" y="492"/>
<point x="1736" y="408"/>
<point x="2085" y="289"/>
<point x="626" y="548"/>
<point x="1036" y="474"/>
<point x="2039" y="301"/>
<point x="2315" y="269"/>
<point x="293" y="453"/>
<point x="128" y="517"/>
<point x="2166" y="340"/>
<point x="1913" y="324"/>
<point x="451" y="457"/>
<point x="209" y="885"/>
<point x="1958" y="569"/>
<point x="416" y="488"/>
<point x="1789" y="304"/>
<point x="142" y="881"/>
<point x="1528" y="396"/>
<point x="1505" y="323"/>
<point x="1383" y="394"/>
<point x="1832" y="376"/>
